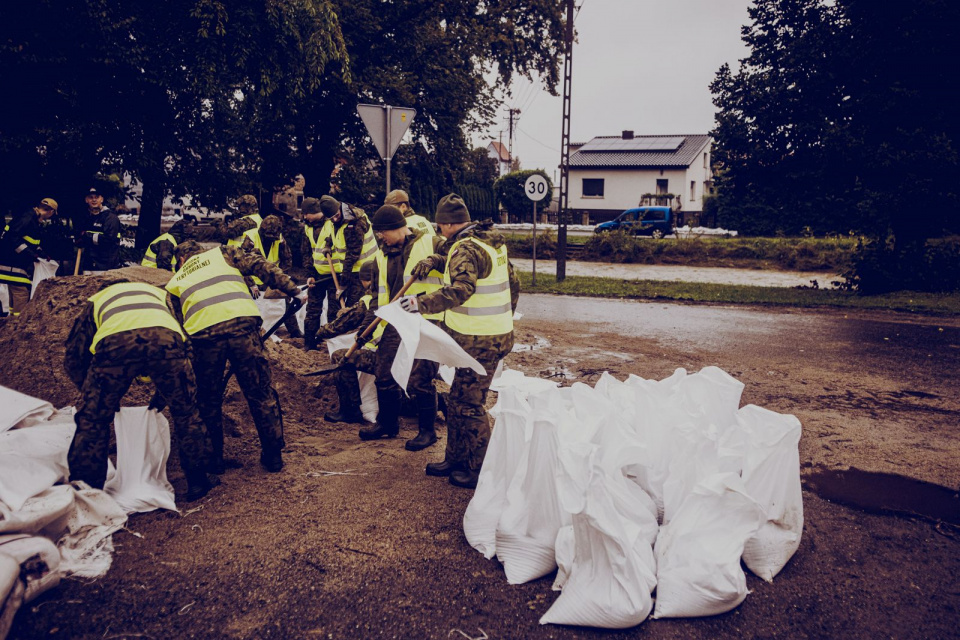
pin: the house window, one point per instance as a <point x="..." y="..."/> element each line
<point x="593" y="187"/>
<point x="693" y="190"/>
<point x="704" y="160"/>
<point x="662" y="187"/>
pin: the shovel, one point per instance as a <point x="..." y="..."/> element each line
<point x="330" y="368"/>
<point x="336" y="281"/>
<point x="291" y="310"/>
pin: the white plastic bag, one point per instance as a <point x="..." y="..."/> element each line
<point x="39" y="561"/>
<point x="272" y="309"/>
<point x="139" y="483"/>
<point x="698" y="552"/>
<point x="20" y="410"/>
<point x="41" y="512"/>
<point x="771" y="475"/>
<point x="34" y="458"/>
<point x="11" y="592"/>
<point x="42" y="269"/>
<point x="86" y="540"/>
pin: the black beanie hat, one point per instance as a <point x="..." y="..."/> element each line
<point x="388" y="218"/>
<point x="310" y="206"/>
<point x="452" y="209"/>
<point x="329" y="206"/>
<point x="366" y="270"/>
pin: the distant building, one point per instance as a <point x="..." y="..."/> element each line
<point x="610" y="174"/>
<point x="499" y="152"/>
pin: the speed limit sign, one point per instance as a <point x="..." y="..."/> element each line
<point x="536" y="187"/>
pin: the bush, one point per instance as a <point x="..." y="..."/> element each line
<point x="883" y="266"/>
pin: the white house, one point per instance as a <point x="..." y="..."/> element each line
<point x="610" y="174"/>
<point x="499" y="152"/>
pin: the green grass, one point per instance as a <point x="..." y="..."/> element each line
<point x="916" y="302"/>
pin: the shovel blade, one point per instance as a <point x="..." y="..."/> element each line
<point x="330" y="368"/>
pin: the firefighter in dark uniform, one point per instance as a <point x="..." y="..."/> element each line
<point x="159" y="253"/>
<point x="124" y="331"/>
<point x="352" y="244"/>
<point x="100" y="235"/>
<point x="478" y="299"/>
<point x="20" y="248"/>
<point x="223" y="323"/>
<point x="403" y="249"/>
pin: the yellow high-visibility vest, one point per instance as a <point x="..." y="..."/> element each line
<point x="371" y="344"/>
<point x="488" y="312"/>
<point x="236" y="242"/>
<point x="418" y="223"/>
<point x="318" y="241"/>
<point x="273" y="256"/>
<point x="367" y="253"/>
<point x="422" y="248"/>
<point x="130" y="305"/>
<point x="211" y="291"/>
<point x="150" y="256"/>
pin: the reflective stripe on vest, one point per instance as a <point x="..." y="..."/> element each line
<point x="367" y="253"/>
<point x="318" y="243"/>
<point x="272" y="257"/>
<point x="128" y="306"/>
<point x="150" y="257"/>
<point x="422" y="248"/>
<point x="257" y="220"/>
<point x="418" y="223"/>
<point x="15" y="276"/>
<point x="211" y="292"/>
<point x="488" y="312"/>
<point x="374" y="340"/>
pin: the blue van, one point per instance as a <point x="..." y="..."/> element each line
<point x="655" y="222"/>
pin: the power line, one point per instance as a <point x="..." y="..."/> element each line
<point x="542" y="144"/>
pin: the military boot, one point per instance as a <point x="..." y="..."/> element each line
<point x="217" y="464"/>
<point x="388" y="416"/>
<point x="348" y="395"/>
<point x="199" y="484"/>
<point x="442" y="469"/>
<point x="271" y="459"/>
<point x="426" y="419"/>
<point x="310" y="342"/>
<point x="465" y="478"/>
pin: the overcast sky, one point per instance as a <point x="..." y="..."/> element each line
<point x="644" y="65"/>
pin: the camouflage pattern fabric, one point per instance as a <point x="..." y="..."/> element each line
<point x="421" y="376"/>
<point x="315" y="296"/>
<point x="101" y="392"/>
<point x="348" y="319"/>
<point x="164" y="250"/>
<point x="353" y="239"/>
<point x="348" y="386"/>
<point x="243" y="349"/>
<point x="293" y="235"/>
<point x="468" y="425"/>
<point x="227" y="231"/>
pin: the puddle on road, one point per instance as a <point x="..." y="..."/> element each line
<point x="884" y="493"/>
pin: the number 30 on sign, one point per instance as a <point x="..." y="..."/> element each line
<point x="536" y="187"/>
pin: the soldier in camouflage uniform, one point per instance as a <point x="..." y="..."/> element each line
<point x="478" y="299"/>
<point x="159" y="253"/>
<point x="125" y="331"/>
<point x="246" y="218"/>
<point x="364" y="359"/>
<point x="223" y="323"/>
<point x="268" y="242"/>
<point x="352" y="244"/>
<point x="400" y="199"/>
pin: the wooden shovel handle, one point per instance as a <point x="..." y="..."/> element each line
<point x="76" y="265"/>
<point x="336" y="280"/>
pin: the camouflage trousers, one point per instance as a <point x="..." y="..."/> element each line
<point x="422" y="375"/>
<point x="348" y="386"/>
<point x="468" y="425"/>
<point x="323" y="289"/>
<point x="102" y="391"/>
<point x="248" y="361"/>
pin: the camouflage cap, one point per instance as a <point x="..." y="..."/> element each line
<point x="247" y="200"/>
<point x="271" y="227"/>
<point x="310" y="206"/>
<point x="188" y="248"/>
<point x="329" y="206"/>
<point x="397" y="197"/>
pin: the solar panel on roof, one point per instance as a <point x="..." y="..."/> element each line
<point x="665" y="143"/>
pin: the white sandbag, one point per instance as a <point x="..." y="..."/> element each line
<point x="528" y="526"/>
<point x="86" y="543"/>
<point x="565" y="549"/>
<point x="40" y="512"/>
<point x="613" y="570"/>
<point x="4" y="307"/>
<point x="19" y="409"/>
<point x="42" y="270"/>
<point x="39" y="562"/>
<point x="272" y="309"/>
<point x="771" y="475"/>
<point x="11" y="592"/>
<point x="139" y="483"/>
<point x="369" y="405"/>
<point x="33" y="459"/>
<point x="698" y="552"/>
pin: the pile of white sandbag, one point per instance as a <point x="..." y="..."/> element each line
<point x="637" y="487"/>
<point x="50" y="530"/>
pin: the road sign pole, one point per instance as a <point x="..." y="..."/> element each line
<point x="534" y="243"/>
<point x="387" y="145"/>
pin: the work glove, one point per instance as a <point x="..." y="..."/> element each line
<point x="422" y="269"/>
<point x="157" y="403"/>
<point x="255" y="291"/>
<point x="311" y="282"/>
<point x="410" y="304"/>
<point x="361" y="339"/>
<point x="302" y="296"/>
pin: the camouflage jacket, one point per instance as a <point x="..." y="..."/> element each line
<point x="352" y="237"/>
<point x="227" y="231"/>
<point x="397" y="258"/>
<point x="164" y="250"/>
<point x="468" y="264"/>
<point x="306" y="249"/>
<point x="286" y="259"/>
<point x="127" y="347"/>
<point x="348" y="319"/>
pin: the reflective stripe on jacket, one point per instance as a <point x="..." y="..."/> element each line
<point x="211" y="291"/>
<point x="488" y="312"/>
<point x="128" y="306"/>
<point x="422" y="248"/>
<point x="150" y="256"/>
<point x="257" y="220"/>
<point x="367" y="253"/>
<point x="317" y="236"/>
<point x="274" y="254"/>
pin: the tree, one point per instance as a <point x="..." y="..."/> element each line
<point x="509" y="190"/>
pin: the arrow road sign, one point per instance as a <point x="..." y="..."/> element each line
<point x="386" y="126"/>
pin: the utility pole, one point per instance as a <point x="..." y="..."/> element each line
<point x="562" y="212"/>
<point x="512" y="113"/>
